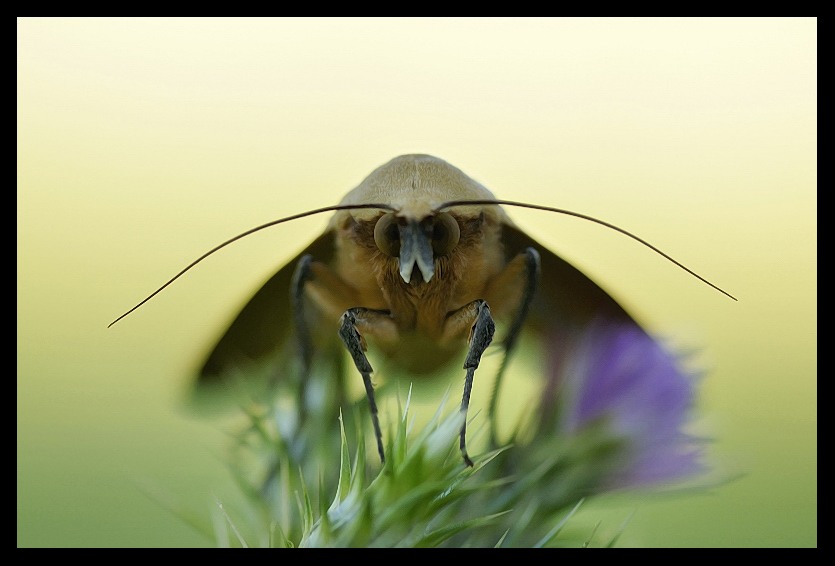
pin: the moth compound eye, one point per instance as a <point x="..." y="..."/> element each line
<point x="387" y="235"/>
<point x="445" y="234"/>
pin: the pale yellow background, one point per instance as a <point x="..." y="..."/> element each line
<point x="143" y="143"/>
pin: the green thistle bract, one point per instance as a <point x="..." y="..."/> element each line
<point x="617" y="424"/>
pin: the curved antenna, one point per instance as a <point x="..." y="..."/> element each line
<point x="585" y="217"/>
<point x="247" y="233"/>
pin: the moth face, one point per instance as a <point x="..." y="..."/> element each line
<point x="417" y="242"/>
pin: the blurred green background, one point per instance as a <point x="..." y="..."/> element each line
<point x="143" y="143"/>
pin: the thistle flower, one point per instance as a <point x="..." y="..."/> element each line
<point x="611" y="417"/>
<point x="623" y="385"/>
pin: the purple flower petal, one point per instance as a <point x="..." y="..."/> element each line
<point x="617" y="375"/>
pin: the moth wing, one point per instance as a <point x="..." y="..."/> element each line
<point x="597" y="356"/>
<point x="264" y="328"/>
<point x="566" y="300"/>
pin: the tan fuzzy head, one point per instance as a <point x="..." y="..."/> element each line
<point x="416" y="185"/>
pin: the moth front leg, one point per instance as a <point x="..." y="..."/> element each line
<point x="378" y="323"/>
<point x="477" y="315"/>
<point x="332" y="295"/>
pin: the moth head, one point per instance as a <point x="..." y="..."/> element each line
<point x="417" y="242"/>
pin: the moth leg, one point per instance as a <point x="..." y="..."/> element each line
<point x="315" y="281"/>
<point x="518" y="281"/>
<point x="376" y="322"/>
<point x="476" y="314"/>
<point x="301" y="276"/>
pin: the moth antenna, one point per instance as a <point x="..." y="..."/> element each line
<point x="247" y="233"/>
<point x="592" y="219"/>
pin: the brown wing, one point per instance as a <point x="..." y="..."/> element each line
<point x="566" y="299"/>
<point x="567" y="314"/>
<point x="264" y="327"/>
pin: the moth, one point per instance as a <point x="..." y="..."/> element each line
<point x="419" y="261"/>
